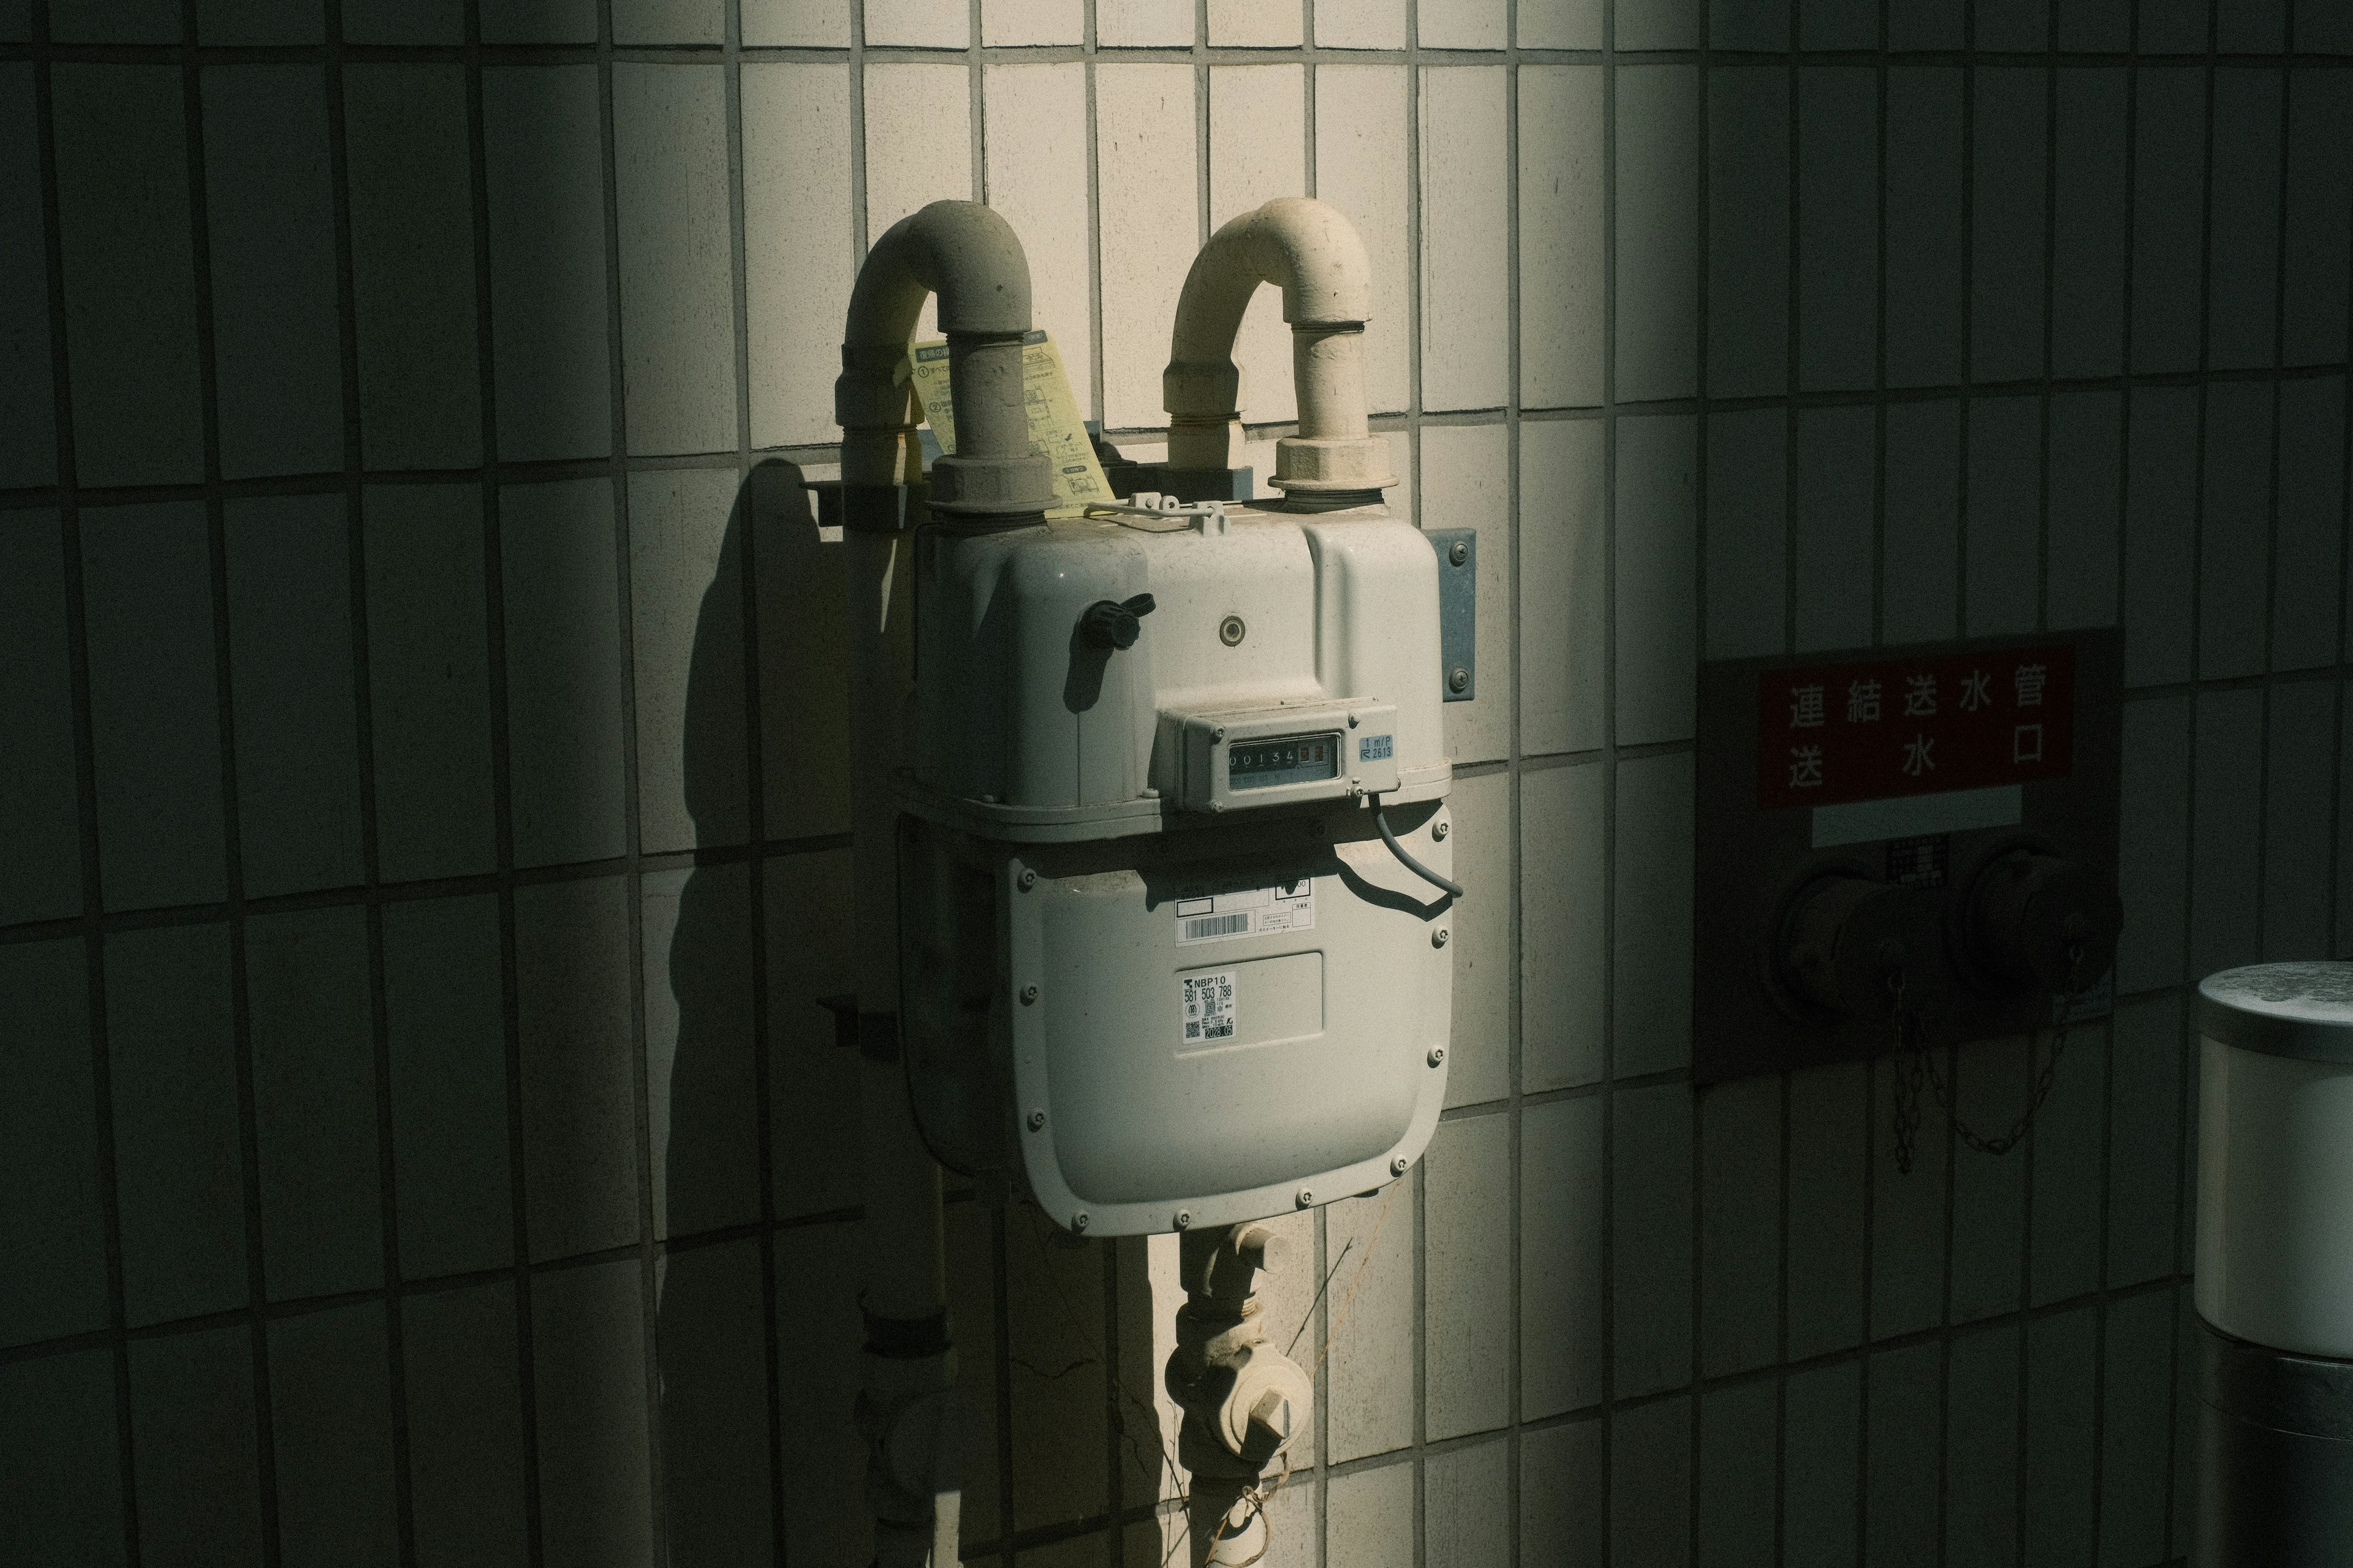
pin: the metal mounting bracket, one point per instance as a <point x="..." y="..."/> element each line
<point x="1458" y="610"/>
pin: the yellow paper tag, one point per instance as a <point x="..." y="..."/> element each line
<point x="1056" y="426"/>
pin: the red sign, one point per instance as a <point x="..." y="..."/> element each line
<point x="1899" y="726"/>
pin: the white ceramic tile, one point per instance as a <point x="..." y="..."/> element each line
<point x="2090" y="240"/>
<point x="1565" y="1497"/>
<point x="1144" y="150"/>
<point x="1563" y="936"/>
<point x="1907" y="1212"/>
<point x="403" y="22"/>
<point x="539" y="22"/>
<point x="2005" y="521"/>
<point x="667" y="22"/>
<point x="1037" y="180"/>
<point x="1563" y="583"/>
<point x="111" y="22"/>
<point x="797" y="261"/>
<point x="1650" y="1483"/>
<point x="1479" y="1056"/>
<point x="1358" y="24"/>
<point x="1650" y="1238"/>
<point x="412" y="221"/>
<point x="549" y="345"/>
<point x="1992" y="1081"/>
<point x="1749" y="24"/>
<point x="713" y="1374"/>
<point x="2152" y="867"/>
<point x="1739" y="1453"/>
<point x="1258" y="150"/>
<point x="28" y="433"/>
<point x="1654" y="586"/>
<point x="1140" y="24"/>
<point x="579" y="1108"/>
<point x="1466" y="483"/>
<point x="1368" y="1517"/>
<point x="1255" y="24"/>
<point x="444" y="1029"/>
<point x="429" y="680"/>
<point x="1055" y="1376"/>
<point x="1467" y="1266"/>
<point x="588" y="1354"/>
<point x="2135" y="1432"/>
<point x="172" y="1060"/>
<point x="686" y="627"/>
<point x="1466" y="1509"/>
<point x="2062" y="1430"/>
<point x="1842" y="25"/>
<point x="813" y="1085"/>
<point x="1821" y="1426"/>
<point x="2243" y="232"/>
<point x="918" y="23"/>
<point x="2168" y="216"/>
<point x="700" y="1105"/>
<point x="2319" y="190"/>
<point x="1650" y="925"/>
<point x="1828" y="1109"/>
<point x="1920" y="540"/>
<point x="2161" y="488"/>
<point x="52" y="1232"/>
<point x="2237" y="513"/>
<point x="1562" y="1258"/>
<point x="2083" y="522"/>
<point x="678" y="313"/>
<point x="1465" y="269"/>
<point x="130" y="271"/>
<point x="1740" y="1223"/>
<point x="1368" y="1244"/>
<point x="291" y="690"/>
<point x="904" y="167"/>
<point x="1659" y="25"/>
<point x="1561" y="227"/>
<point x="2308" y="545"/>
<point x="1747" y="551"/>
<point x="1554" y="25"/>
<point x="1361" y="167"/>
<point x="2145" y="1087"/>
<point x="1005" y="23"/>
<point x="270" y="229"/>
<point x="1925" y="247"/>
<point x="1462" y="24"/>
<point x="154" y="710"/>
<point x="40" y="856"/>
<point x="563" y="652"/>
<point x="464" y="1403"/>
<point x="1748" y="231"/>
<point x="1901" y="1405"/>
<point x="331" y="1427"/>
<point x="2296" y="820"/>
<point x="2065" y="1240"/>
<point x="1657" y="232"/>
<point x="2224" y="894"/>
<point x="821" y="23"/>
<point x="58" y="1443"/>
<point x="194" y="1469"/>
<point x="2008" y="158"/>
<point x="1834" y="527"/>
<point x="1837" y="226"/>
<point x="306" y="978"/>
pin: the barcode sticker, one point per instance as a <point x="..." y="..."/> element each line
<point x="1209" y="1011"/>
<point x="1251" y="911"/>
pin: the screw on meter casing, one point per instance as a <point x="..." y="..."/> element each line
<point x="1285" y="759"/>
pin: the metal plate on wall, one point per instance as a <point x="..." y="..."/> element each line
<point x="1916" y="766"/>
<point x="1458" y="610"/>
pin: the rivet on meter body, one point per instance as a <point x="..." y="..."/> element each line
<point x="1306" y="1199"/>
<point x="1028" y="880"/>
<point x="1352" y="721"/>
<point x="1037" y="1119"/>
<point x="1460" y="680"/>
<point x="1441" y="829"/>
<point x="1184" y="1218"/>
<point x="1457" y="552"/>
<point x="1437" y="1055"/>
<point x="1397" y="1166"/>
<point x="1231" y="630"/>
<point x="1437" y="937"/>
<point x="1029" y="995"/>
<point x="1078" y="1220"/>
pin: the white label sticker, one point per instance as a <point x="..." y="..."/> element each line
<point x="1255" y="911"/>
<point x="1209" y="1011"/>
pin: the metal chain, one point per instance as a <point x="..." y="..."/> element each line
<point x="1908" y="1074"/>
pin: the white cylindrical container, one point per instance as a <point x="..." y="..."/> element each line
<point x="2275" y="1156"/>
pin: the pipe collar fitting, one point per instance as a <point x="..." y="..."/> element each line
<point x="1305" y="464"/>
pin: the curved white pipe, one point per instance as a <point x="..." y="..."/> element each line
<point x="1311" y="252"/>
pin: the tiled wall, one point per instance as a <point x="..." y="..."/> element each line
<point x="423" y="797"/>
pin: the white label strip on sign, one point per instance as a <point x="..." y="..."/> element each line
<point x="1210" y="1014"/>
<point x="1254" y="912"/>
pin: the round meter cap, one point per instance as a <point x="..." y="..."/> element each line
<point x="2280" y="1009"/>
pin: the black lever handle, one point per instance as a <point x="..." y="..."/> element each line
<point x="1110" y="624"/>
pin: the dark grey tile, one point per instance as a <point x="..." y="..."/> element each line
<point x="1920" y="539"/>
<point x="2323" y="32"/>
<point x="2089" y="238"/>
<point x="1740" y="1224"/>
<point x="588" y="1374"/>
<point x="52" y="1231"/>
<point x="543" y="144"/>
<point x="2062" y="1436"/>
<point x="1564" y="934"/>
<point x="130" y="265"/>
<point x="1056" y="1380"/>
<point x="1562" y="1258"/>
<point x="1748" y="230"/>
<point x="2173" y="26"/>
<point x="428" y="682"/>
<point x="314" y="1102"/>
<point x="298" y="762"/>
<point x="2319" y="193"/>
<point x="1981" y="1502"/>
<point x="2144" y="1140"/>
<point x="539" y="22"/>
<point x="2068" y="1209"/>
<point x="2153" y="850"/>
<point x="566" y="697"/>
<point x="1739" y="1454"/>
<point x="2252" y="26"/>
<point x="261" y="22"/>
<point x="1821" y="1440"/>
<point x="812" y="1085"/>
<point x="58" y="1444"/>
<point x="1748" y="531"/>
<point x="1927" y="24"/>
<point x="1564" y="1489"/>
<point x="1748" y="25"/>
<point x="579" y="1099"/>
<point x="1657" y="232"/>
<point x="1993" y="1083"/>
<point x="412" y="221"/>
<point x="709" y="1347"/>
<point x="2083" y="523"/>
<point x="2005" y="514"/>
<point x="2308" y="546"/>
<point x="2225" y="894"/>
<point x="270" y="225"/>
<point x="699" y="1072"/>
<point x="2094" y="27"/>
<point x="2160" y="513"/>
<point x="154" y="711"/>
<point x="1838" y="24"/>
<point x="687" y="658"/>
<point x="2242" y="236"/>
<point x="1651" y="924"/>
<point x="1925" y="243"/>
<point x="1837" y="226"/>
<point x="443" y="1017"/>
<point x="28" y="428"/>
<point x="1901" y="1496"/>
<point x="1907" y="1210"/>
<point x="466" y="1462"/>
<point x="40" y="854"/>
<point x="404" y="22"/>
<point x="1649" y="1484"/>
<point x="1824" y="1310"/>
<point x="2136" y="1428"/>
<point x="178" y="1172"/>
<point x="331" y="1432"/>
<point x="1654" y="578"/>
<point x="2024" y="26"/>
<point x="2297" y="820"/>
<point x="1650" y="1238"/>
<point x="2168" y="214"/>
<point x="2008" y="170"/>
<point x="194" y="1448"/>
<point x="109" y="22"/>
<point x="1834" y="504"/>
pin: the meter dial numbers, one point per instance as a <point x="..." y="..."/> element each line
<point x="1284" y="760"/>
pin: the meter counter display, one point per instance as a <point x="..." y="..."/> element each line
<point x="1285" y="759"/>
